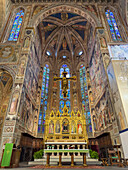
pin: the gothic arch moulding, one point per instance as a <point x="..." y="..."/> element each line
<point x="49" y="64"/>
<point x="68" y="65"/>
<point x="9" y="70"/>
<point x="6" y="82"/>
<point x="80" y="63"/>
<point x="52" y="9"/>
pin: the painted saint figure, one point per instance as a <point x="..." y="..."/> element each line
<point x="51" y="127"/>
<point x="73" y="127"/>
<point x="14" y="103"/>
<point x="21" y="68"/>
<point x="80" y="130"/>
<point x="26" y="42"/>
<point x="57" y="127"/>
<point x="65" y="126"/>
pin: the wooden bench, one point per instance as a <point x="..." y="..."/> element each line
<point x="114" y="158"/>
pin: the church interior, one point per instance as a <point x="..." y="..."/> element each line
<point x="64" y="78"/>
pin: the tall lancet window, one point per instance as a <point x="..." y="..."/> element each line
<point x="63" y="100"/>
<point x="44" y="98"/>
<point x="85" y="100"/>
<point x="113" y="26"/>
<point x="14" y="34"/>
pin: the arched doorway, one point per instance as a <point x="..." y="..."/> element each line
<point x="6" y="82"/>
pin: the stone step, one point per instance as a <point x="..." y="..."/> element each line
<point x="55" y="160"/>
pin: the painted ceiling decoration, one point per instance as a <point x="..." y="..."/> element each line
<point x="64" y="16"/>
<point x="64" y="32"/>
<point x="48" y="28"/>
<point x="80" y="28"/>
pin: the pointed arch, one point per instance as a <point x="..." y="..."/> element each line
<point x="6" y="83"/>
<point x="92" y="18"/>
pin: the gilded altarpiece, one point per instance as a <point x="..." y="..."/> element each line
<point x="65" y="126"/>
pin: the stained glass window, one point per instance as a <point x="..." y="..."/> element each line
<point x="14" y="34"/>
<point x="63" y="100"/>
<point x="61" y="106"/>
<point x="84" y="95"/>
<point x="113" y="26"/>
<point x="44" y="98"/>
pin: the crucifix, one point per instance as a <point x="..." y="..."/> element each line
<point x="64" y="82"/>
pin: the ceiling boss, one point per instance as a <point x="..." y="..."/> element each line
<point x="64" y="82"/>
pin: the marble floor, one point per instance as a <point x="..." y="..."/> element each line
<point x="68" y="168"/>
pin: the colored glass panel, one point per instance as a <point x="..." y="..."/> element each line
<point x="44" y="97"/>
<point x="68" y="104"/>
<point x="113" y="26"/>
<point x="84" y="95"/>
<point x="14" y="34"/>
<point x="62" y="99"/>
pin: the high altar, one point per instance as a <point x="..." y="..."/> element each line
<point x="66" y="135"/>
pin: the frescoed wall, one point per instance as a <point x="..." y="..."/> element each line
<point x="27" y="113"/>
<point x="30" y="90"/>
<point x="103" y="113"/>
<point x="97" y="72"/>
<point x="32" y="73"/>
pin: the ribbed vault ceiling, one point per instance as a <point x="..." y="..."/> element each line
<point x="64" y="33"/>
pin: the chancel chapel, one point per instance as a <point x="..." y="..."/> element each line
<point x="64" y="75"/>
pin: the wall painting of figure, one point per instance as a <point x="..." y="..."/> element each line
<point x="57" y="130"/>
<point x="51" y="127"/>
<point x="80" y="129"/>
<point x="73" y="127"/>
